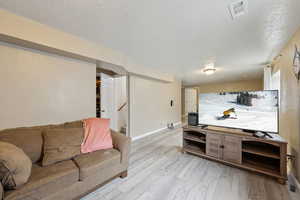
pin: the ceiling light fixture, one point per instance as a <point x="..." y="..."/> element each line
<point x="209" y="69"/>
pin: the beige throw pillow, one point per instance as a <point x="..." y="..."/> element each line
<point x="61" y="144"/>
<point x="15" y="166"/>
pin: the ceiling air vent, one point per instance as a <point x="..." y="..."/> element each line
<point x="238" y="8"/>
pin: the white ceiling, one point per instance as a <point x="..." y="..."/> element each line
<point x="176" y="36"/>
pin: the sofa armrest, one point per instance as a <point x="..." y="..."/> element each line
<point x="122" y="143"/>
<point x="1" y="192"/>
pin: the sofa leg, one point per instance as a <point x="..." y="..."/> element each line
<point x="124" y="174"/>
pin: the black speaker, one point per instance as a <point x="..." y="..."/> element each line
<point x="193" y="119"/>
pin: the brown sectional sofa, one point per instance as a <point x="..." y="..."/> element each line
<point x="70" y="179"/>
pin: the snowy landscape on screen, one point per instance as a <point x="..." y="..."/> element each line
<point x="262" y="115"/>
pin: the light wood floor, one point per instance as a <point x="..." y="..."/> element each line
<point x="159" y="171"/>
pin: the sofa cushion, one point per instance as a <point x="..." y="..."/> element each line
<point x="32" y="145"/>
<point x="15" y="166"/>
<point x="91" y="163"/>
<point x="45" y="181"/>
<point x="61" y="144"/>
<point x="33" y="134"/>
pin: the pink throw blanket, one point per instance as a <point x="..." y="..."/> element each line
<point x="97" y="135"/>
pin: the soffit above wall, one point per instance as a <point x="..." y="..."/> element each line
<point x="24" y="32"/>
<point x="175" y="36"/>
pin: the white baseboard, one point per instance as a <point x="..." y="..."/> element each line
<point x="295" y="181"/>
<point x="153" y="132"/>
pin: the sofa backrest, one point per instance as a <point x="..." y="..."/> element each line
<point x="30" y="139"/>
<point x="74" y="124"/>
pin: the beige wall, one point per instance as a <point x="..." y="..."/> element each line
<point x="38" y="88"/>
<point x="150" y="105"/>
<point x="231" y="86"/>
<point x="290" y="101"/>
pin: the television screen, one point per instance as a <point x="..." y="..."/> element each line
<point x="247" y="110"/>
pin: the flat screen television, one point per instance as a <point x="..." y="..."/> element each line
<point x="247" y="110"/>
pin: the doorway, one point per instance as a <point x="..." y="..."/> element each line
<point x="190" y="100"/>
<point x="111" y="99"/>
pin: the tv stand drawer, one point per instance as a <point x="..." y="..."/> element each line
<point x="232" y="151"/>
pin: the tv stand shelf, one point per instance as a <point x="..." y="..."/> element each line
<point x="262" y="151"/>
<point x="195" y="150"/>
<point x="237" y="148"/>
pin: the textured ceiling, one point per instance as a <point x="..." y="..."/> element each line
<point x="176" y="36"/>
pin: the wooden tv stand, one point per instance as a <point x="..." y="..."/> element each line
<point x="237" y="148"/>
